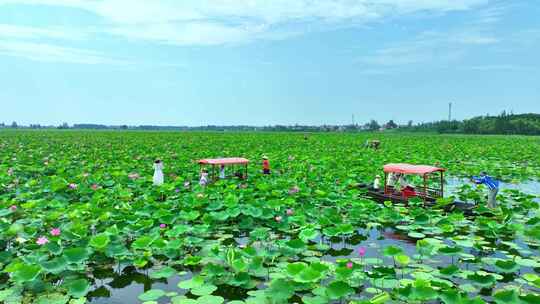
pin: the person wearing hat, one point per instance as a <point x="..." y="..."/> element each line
<point x="266" y="165"/>
<point x="377" y="183"/>
<point x="493" y="186"/>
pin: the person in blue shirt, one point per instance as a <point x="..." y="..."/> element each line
<point x="493" y="186"/>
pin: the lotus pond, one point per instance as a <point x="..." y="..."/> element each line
<point x="81" y="222"/>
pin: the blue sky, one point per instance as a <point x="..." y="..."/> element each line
<point x="261" y="62"/>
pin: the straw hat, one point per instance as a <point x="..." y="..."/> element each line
<point x="265" y="157"/>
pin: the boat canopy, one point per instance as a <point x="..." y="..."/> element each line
<point x="411" y="169"/>
<point x="224" y="161"/>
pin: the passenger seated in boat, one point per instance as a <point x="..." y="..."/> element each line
<point x="239" y="174"/>
<point x="408" y="191"/>
<point x="400" y="186"/>
<point x="393" y="179"/>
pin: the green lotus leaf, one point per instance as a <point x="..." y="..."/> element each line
<point x="530" y="298"/>
<point x="509" y="296"/>
<point x="482" y="280"/>
<point x="52" y="298"/>
<point x="307" y="275"/>
<point x="392" y="251"/>
<point x="315" y="300"/>
<point x="99" y="241"/>
<point x="142" y="243"/>
<point x="296" y="244"/>
<point x="338" y="289"/>
<point x="182" y="300"/>
<point x="203" y="290"/>
<point x="78" y="288"/>
<point x="209" y="299"/>
<point x="76" y="255"/>
<point x="506" y="266"/>
<point x="295" y="268"/>
<point x="194" y="282"/>
<point x="449" y="270"/>
<point x="402" y="259"/>
<point x="280" y="290"/>
<point x="55" y="266"/>
<point x="380" y="298"/>
<point x="26" y="273"/>
<point x="54" y="248"/>
<point x="152" y="295"/>
<point x="164" y="272"/>
<point x="308" y="234"/>
<point x="448" y="250"/>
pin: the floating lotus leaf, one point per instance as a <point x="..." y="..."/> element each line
<point x="152" y="295"/>
<point x="78" y="288"/>
<point x="76" y="255"/>
<point x="165" y="272"/>
<point x="338" y="289"/>
<point x="26" y="273"/>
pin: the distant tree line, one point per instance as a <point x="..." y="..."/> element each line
<point x="524" y="124"/>
<point x="370" y="126"/>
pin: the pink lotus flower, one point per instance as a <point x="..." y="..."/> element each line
<point x="278" y="218"/>
<point x="94" y="187"/>
<point x="72" y="186"/>
<point x="42" y="240"/>
<point x="55" y="231"/>
<point x="290" y="212"/>
<point x="349" y="265"/>
<point x="362" y="251"/>
<point x="162" y="226"/>
<point x="13" y="208"/>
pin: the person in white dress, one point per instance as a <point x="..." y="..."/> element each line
<point x="158" y="173"/>
<point x="204" y="178"/>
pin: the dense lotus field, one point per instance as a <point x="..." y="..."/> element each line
<point x="80" y="221"/>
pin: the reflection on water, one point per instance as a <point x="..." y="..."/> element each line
<point x="125" y="286"/>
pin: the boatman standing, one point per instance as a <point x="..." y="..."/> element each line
<point x="493" y="186"/>
<point x="266" y="165"/>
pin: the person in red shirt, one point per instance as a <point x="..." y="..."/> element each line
<point x="266" y="165"/>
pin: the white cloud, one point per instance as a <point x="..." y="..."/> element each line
<point x="28" y="32"/>
<point x="210" y="22"/>
<point x="52" y="53"/>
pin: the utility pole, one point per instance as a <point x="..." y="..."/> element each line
<point x="353" y="119"/>
<point x="450" y="112"/>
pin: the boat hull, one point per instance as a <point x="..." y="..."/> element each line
<point x="381" y="197"/>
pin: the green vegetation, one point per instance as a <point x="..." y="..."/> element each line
<point x="524" y="124"/>
<point x="78" y="208"/>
